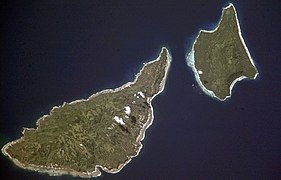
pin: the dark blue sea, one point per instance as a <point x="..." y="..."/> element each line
<point x="55" y="51"/>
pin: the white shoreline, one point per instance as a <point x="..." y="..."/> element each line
<point x="191" y="61"/>
<point x="53" y="171"/>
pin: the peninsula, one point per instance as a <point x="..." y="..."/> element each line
<point x="103" y="132"/>
<point x="220" y="58"/>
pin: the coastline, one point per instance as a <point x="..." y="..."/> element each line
<point x="53" y="171"/>
<point x="190" y="60"/>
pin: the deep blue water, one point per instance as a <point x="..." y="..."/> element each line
<point x="56" y="51"/>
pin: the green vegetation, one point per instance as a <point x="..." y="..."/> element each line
<point x="81" y="135"/>
<point x="221" y="57"/>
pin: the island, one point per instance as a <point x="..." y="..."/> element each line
<point x="103" y="132"/>
<point x="220" y="58"/>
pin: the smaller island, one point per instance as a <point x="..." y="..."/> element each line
<point x="220" y="58"/>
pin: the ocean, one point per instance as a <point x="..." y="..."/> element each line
<point x="57" y="51"/>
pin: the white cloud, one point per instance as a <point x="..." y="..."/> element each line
<point x="128" y="110"/>
<point x="200" y="72"/>
<point x="118" y="120"/>
<point x="141" y="94"/>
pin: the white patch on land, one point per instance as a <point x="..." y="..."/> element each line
<point x="118" y="120"/>
<point x="200" y="72"/>
<point x="141" y="94"/>
<point x="81" y="145"/>
<point x="127" y="110"/>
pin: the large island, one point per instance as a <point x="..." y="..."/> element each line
<point x="103" y="132"/>
<point x="220" y="58"/>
